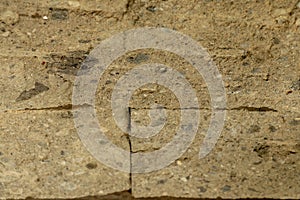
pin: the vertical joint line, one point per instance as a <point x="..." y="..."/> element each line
<point x="130" y="147"/>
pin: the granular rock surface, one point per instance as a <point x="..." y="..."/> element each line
<point x="255" y="46"/>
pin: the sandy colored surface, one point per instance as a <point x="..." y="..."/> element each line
<point x="42" y="157"/>
<point x="255" y="45"/>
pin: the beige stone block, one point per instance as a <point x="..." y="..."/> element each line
<point x="255" y="156"/>
<point x="41" y="156"/>
<point x="42" y="46"/>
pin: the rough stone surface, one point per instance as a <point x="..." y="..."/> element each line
<point x="255" y="45"/>
<point x="254" y="159"/>
<point x="42" y="157"/>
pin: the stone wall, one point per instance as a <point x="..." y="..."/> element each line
<point x="254" y="44"/>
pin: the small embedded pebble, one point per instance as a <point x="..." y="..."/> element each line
<point x="202" y="189"/>
<point x="151" y="8"/>
<point x="68" y="186"/>
<point x="91" y="165"/>
<point x="258" y="161"/>
<point x="139" y="58"/>
<point x="226" y="188"/>
<point x="9" y="17"/>
<point x="111" y="20"/>
<point x="163" y="69"/>
<point x="297" y="22"/>
<point x="272" y="128"/>
<point x="84" y="41"/>
<point x="60" y="14"/>
<point x="46" y="125"/>
<point x="179" y="163"/>
<point x="161" y="181"/>
<point x="280" y="12"/>
<point x="295" y="85"/>
<point x="254" y="129"/>
<point x="73" y="4"/>
<point x="184" y="179"/>
<point x="6" y="34"/>
<point x="295" y="122"/>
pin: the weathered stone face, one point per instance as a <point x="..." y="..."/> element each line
<point x="42" y="157"/>
<point x="255" y="46"/>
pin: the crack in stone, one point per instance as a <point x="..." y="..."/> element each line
<point x="247" y="108"/>
<point x="129" y="193"/>
<point x="130" y="147"/>
<point x="124" y="195"/>
<point x="164" y="107"/>
<point x="255" y="109"/>
<point x="67" y="107"/>
<point x="72" y="107"/>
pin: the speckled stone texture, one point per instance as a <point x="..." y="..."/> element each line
<point x="255" y="45"/>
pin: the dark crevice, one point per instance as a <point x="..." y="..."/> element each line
<point x="247" y="108"/>
<point x="67" y="107"/>
<point x="62" y="107"/>
<point x="126" y="195"/>
<point x="129" y="5"/>
<point x="70" y="107"/>
<point x="130" y="147"/>
<point x="164" y="107"/>
<point x="255" y="109"/>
